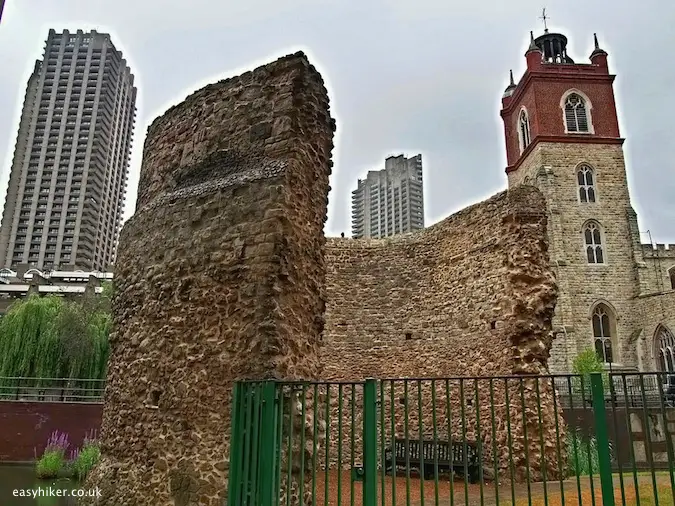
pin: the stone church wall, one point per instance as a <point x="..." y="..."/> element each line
<point x="220" y="276"/>
<point x="552" y="168"/>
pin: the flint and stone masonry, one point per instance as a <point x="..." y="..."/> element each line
<point x="473" y="295"/>
<point x="223" y="274"/>
<point x="220" y="277"/>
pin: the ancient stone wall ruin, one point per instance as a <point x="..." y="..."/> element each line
<point x="470" y="296"/>
<point x="219" y="276"/>
<point x="223" y="274"/>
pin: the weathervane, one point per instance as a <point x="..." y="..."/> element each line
<point x="544" y="18"/>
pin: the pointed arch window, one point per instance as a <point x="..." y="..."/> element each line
<point x="665" y="349"/>
<point x="593" y="243"/>
<point x="576" y="114"/>
<point x="671" y="275"/>
<point x="523" y="130"/>
<point x="586" y="181"/>
<point x="604" y="332"/>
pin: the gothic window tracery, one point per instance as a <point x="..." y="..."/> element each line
<point x="576" y="114"/>
<point x="604" y="325"/>
<point x="586" y="182"/>
<point x="593" y="243"/>
<point x="523" y="130"/>
<point x="665" y="349"/>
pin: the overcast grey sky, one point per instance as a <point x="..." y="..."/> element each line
<point x="404" y="76"/>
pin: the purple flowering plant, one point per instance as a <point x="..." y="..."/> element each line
<point x="58" y="442"/>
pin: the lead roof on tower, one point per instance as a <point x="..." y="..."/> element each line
<point x="553" y="47"/>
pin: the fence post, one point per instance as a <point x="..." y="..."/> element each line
<point x="604" y="458"/>
<point x="369" y="443"/>
<point x="234" y="458"/>
<point x="267" y="452"/>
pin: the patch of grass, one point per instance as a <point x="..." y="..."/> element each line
<point x="86" y="459"/>
<point x="646" y="497"/>
<point x="50" y="465"/>
<point x="582" y="454"/>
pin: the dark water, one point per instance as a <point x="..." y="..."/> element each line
<point x="17" y="482"/>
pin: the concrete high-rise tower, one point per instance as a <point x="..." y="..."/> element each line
<point x="68" y="178"/>
<point x="389" y="201"/>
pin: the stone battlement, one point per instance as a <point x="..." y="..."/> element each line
<point x="660" y="251"/>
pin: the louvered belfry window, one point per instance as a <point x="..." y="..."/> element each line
<point x="576" y="115"/>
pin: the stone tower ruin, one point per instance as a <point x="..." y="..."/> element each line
<point x="220" y="276"/>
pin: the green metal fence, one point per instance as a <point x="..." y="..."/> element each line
<point x="550" y="440"/>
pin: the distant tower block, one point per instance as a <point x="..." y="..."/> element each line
<point x="220" y="276"/>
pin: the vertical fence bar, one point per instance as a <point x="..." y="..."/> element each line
<point x="268" y="445"/>
<point x="255" y="443"/>
<point x="465" y="446"/>
<point x="544" y="463"/>
<point x="370" y="443"/>
<point x="326" y="488"/>
<point x="382" y="433"/>
<point x="525" y="441"/>
<point x="423" y="470"/>
<point x="315" y="442"/>
<point x="495" y="455"/>
<point x="604" y="459"/>
<point x="669" y="437"/>
<point x="614" y="399"/>
<point x="631" y="448"/>
<point x="393" y="444"/>
<point x="280" y="437"/>
<point x="339" y="449"/>
<point x="479" y="443"/>
<point x="407" y="441"/>
<point x="448" y="410"/>
<point x="303" y="448"/>
<point x="352" y="442"/>
<point x="234" y="478"/>
<point x="561" y="477"/>
<point x="291" y="422"/>
<point x="648" y="440"/>
<point x="510" y="440"/>
<point x="435" y="436"/>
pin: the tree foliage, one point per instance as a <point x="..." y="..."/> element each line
<point x="49" y="337"/>
<point x="586" y="363"/>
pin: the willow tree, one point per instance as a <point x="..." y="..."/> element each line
<point x="49" y="337"/>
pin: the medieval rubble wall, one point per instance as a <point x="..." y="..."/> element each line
<point x="220" y="276"/>
<point x="473" y="295"/>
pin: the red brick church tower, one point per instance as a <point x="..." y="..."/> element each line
<point x="562" y="135"/>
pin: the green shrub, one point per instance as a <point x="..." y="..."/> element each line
<point x="586" y="363"/>
<point x="86" y="459"/>
<point x="582" y="454"/>
<point x="50" y="465"/>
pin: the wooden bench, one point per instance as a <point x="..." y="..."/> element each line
<point x="462" y="456"/>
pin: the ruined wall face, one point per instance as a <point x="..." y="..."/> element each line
<point x="220" y="276"/>
<point x="436" y="302"/>
<point x="471" y="296"/>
